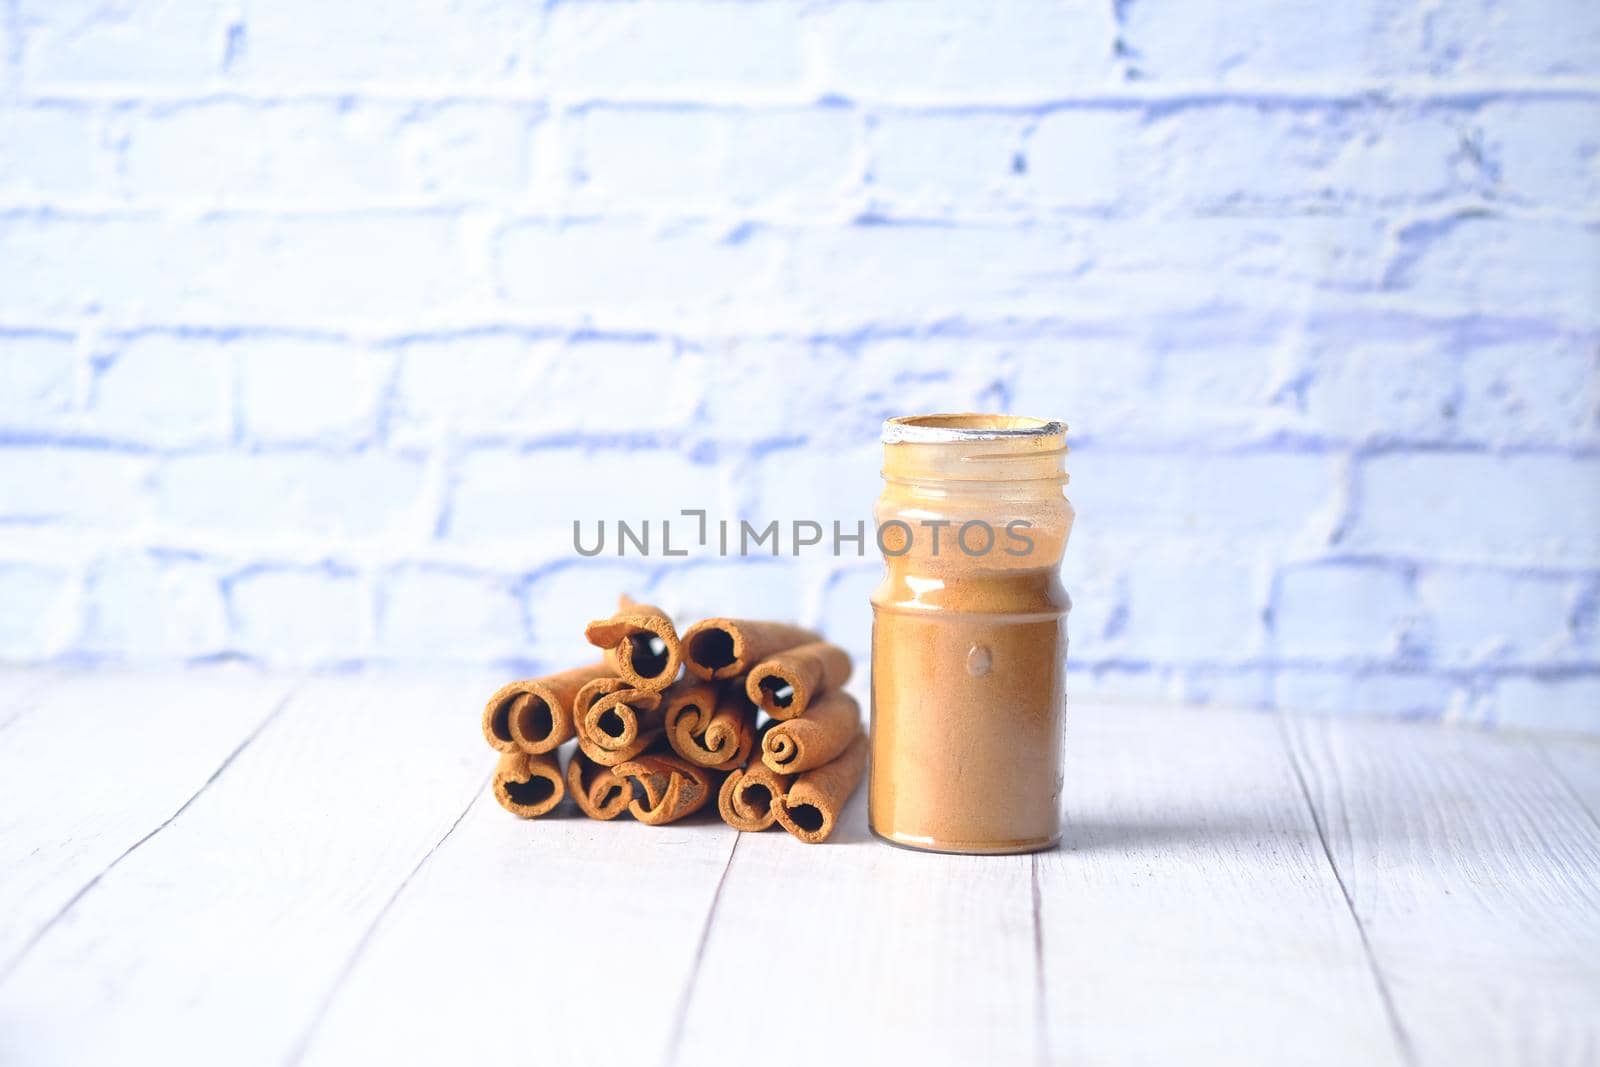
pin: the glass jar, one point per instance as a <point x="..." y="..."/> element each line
<point x="969" y="634"/>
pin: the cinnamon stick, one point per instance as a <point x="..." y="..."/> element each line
<point x="810" y="809"/>
<point x="527" y="785"/>
<point x="597" y="789"/>
<point x="721" y="648"/>
<point x="784" y="685"/>
<point x="641" y="644"/>
<point x="815" y="738"/>
<point x="710" y="725"/>
<point x="672" y="787"/>
<point x="745" y="800"/>
<point x="535" y="715"/>
<point x="615" y="722"/>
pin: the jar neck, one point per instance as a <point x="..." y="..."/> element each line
<point x="992" y="484"/>
<point x="963" y="461"/>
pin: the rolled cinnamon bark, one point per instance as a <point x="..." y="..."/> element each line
<point x="641" y="644"/>
<point x="535" y="715"/>
<point x="721" y="648"/>
<point x="784" y="685"/>
<point x="615" y="722"/>
<point x="526" y="785"/>
<point x="672" y="787"/>
<point x="597" y="789"/>
<point x="710" y="725"/>
<point x="745" y="799"/>
<point x="810" y="809"/>
<point x="815" y="738"/>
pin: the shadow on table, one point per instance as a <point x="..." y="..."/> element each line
<point x="851" y="829"/>
<point x="1222" y="830"/>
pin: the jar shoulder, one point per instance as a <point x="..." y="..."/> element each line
<point x="1031" y="592"/>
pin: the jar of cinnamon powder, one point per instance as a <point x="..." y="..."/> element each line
<point x="969" y="634"/>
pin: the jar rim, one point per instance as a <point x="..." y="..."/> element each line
<point x="948" y="427"/>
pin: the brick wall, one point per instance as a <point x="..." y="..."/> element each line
<point x="319" y="324"/>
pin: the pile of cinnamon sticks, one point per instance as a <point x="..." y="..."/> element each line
<point x="758" y="720"/>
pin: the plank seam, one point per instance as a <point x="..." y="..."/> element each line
<point x="675" y="1038"/>
<point x="1396" y="1027"/>
<point x="1041" y="1036"/>
<point x="301" y="1046"/>
<point x="61" y="913"/>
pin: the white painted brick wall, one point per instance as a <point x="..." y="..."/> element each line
<point x="319" y="324"/>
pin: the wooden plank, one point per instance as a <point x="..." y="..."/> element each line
<point x="1577" y="762"/>
<point x="331" y="896"/>
<point x="17" y="688"/>
<point x="854" y="951"/>
<point x="556" y="940"/>
<point x="218" y="938"/>
<point x="1191" y="915"/>
<point x="91" y="765"/>
<point x="1473" y="870"/>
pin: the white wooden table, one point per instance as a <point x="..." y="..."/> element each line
<point x="241" y="869"/>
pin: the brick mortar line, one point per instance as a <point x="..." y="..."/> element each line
<point x="1274" y="318"/>
<point x="760" y="99"/>
<point x="200" y="208"/>
<point x="234" y="562"/>
<point x="835" y="213"/>
<point x="1244" y="443"/>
